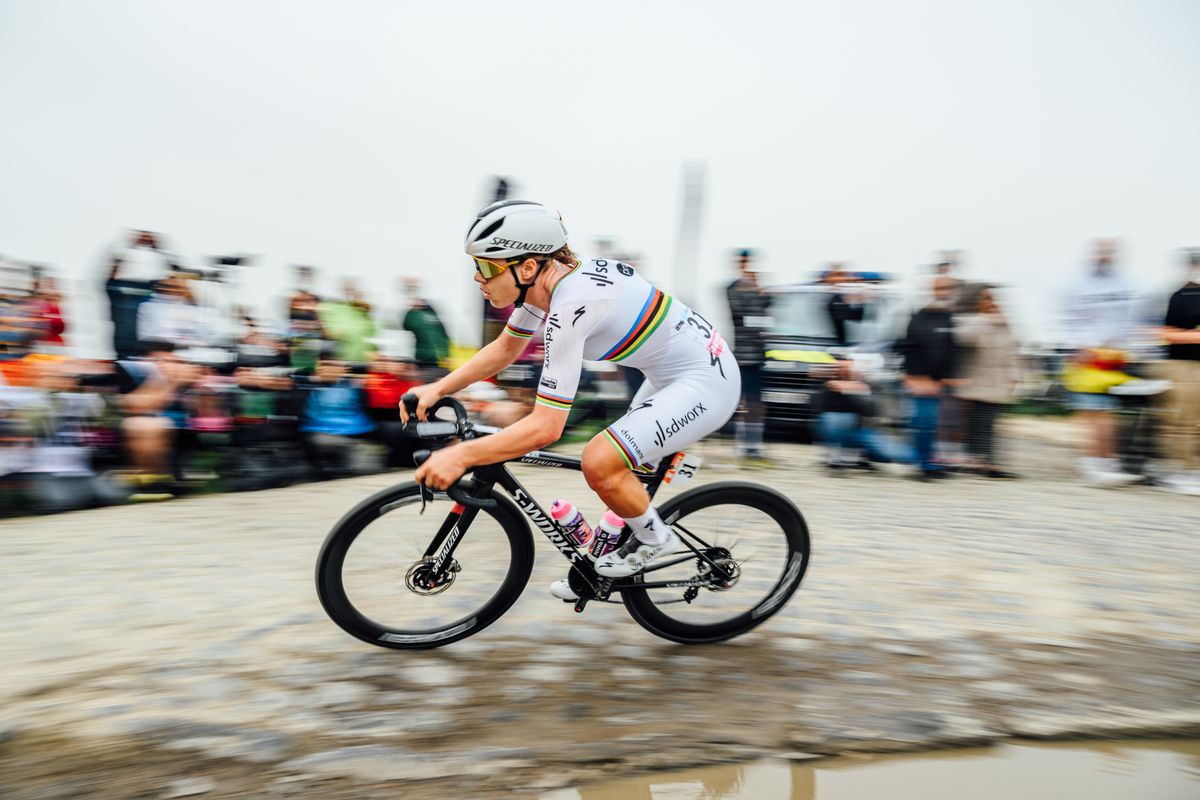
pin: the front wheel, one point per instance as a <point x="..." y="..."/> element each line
<point x="394" y="577"/>
<point x="758" y="539"/>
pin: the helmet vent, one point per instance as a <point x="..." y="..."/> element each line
<point x="490" y="229"/>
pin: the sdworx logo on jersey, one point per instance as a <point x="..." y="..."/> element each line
<point x="677" y="424"/>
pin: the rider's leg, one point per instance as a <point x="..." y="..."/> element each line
<point x="610" y="478"/>
<point x="665" y="422"/>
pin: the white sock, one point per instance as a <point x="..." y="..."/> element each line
<point x="649" y="527"/>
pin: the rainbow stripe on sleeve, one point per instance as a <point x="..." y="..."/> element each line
<point x="649" y="318"/>
<point x="520" y="333"/>
<point x="553" y="401"/>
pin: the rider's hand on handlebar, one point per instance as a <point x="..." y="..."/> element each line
<point x="426" y="395"/>
<point x="442" y="468"/>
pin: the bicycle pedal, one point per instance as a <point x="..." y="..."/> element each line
<point x="580" y="604"/>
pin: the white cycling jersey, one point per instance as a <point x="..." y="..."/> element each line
<point x="605" y="311"/>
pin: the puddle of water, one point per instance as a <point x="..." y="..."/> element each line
<point x="1123" y="770"/>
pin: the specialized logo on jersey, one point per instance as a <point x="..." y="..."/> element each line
<point x="716" y="346"/>
<point x="640" y="406"/>
<point x="648" y="319"/>
<point x="579" y="312"/>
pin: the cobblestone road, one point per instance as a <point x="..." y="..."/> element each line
<point x="179" y="648"/>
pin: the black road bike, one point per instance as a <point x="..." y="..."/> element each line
<point x="394" y="576"/>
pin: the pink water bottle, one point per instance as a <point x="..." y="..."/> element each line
<point x="571" y="520"/>
<point x="608" y="532"/>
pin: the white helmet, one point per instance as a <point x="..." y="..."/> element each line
<point x="512" y="228"/>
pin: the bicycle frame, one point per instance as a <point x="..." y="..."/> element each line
<point x="485" y="477"/>
<point x="499" y="474"/>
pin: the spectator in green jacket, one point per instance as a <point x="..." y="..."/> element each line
<point x="348" y="323"/>
<point x="431" y="345"/>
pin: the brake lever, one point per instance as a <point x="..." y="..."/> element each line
<point x="426" y="494"/>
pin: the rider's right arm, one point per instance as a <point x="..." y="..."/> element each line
<point x="522" y="324"/>
<point x="486" y="363"/>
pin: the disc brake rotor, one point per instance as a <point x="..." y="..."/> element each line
<point x="421" y="578"/>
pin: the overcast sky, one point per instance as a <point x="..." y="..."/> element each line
<point x="359" y="136"/>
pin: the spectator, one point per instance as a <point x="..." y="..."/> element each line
<point x="171" y="315"/>
<point x="488" y="402"/>
<point x="125" y="296"/>
<point x="749" y="307"/>
<point x="952" y="408"/>
<point x="144" y="256"/>
<point x="306" y="335"/>
<point x="258" y="347"/>
<point x="842" y="308"/>
<point x="990" y="372"/>
<point x="335" y="419"/>
<point x="303" y="319"/>
<point x="930" y="360"/>
<point x="844" y="424"/>
<point x="348" y="323"/>
<point x="153" y="390"/>
<point x="1097" y="325"/>
<point x="1181" y="330"/>
<point x="18" y="326"/>
<point x="386" y="382"/>
<point x="45" y="302"/>
<point x="948" y="263"/>
<point x="60" y="473"/>
<point x="431" y="344"/>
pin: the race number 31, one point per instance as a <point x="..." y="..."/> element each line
<point x="683" y="468"/>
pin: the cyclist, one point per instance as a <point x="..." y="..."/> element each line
<point x="600" y="310"/>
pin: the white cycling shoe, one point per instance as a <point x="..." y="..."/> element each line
<point x="563" y="591"/>
<point x="634" y="556"/>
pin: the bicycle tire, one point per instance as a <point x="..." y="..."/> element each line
<point x="646" y="613"/>
<point x="336" y="601"/>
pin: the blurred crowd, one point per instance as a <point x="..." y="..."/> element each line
<point x="1130" y="374"/>
<point x="203" y="395"/>
<point x="198" y="397"/>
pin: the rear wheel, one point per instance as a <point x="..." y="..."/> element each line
<point x="754" y="535"/>
<point x="377" y="574"/>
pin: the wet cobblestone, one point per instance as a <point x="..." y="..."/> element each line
<point x="932" y="615"/>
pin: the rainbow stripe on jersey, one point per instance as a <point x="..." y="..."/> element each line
<point x="554" y="401"/>
<point x="520" y="333"/>
<point x="648" y="319"/>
